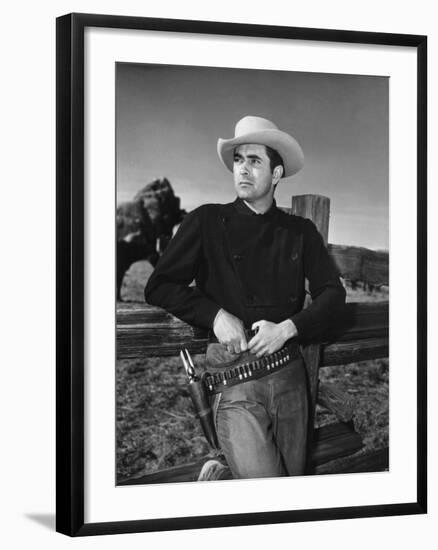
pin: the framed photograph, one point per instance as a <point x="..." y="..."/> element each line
<point x="166" y="129"/>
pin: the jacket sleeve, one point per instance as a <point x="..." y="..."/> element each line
<point x="328" y="294"/>
<point x="169" y="285"/>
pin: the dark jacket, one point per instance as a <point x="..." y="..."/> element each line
<point x="252" y="265"/>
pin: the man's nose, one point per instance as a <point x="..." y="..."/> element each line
<point x="244" y="167"/>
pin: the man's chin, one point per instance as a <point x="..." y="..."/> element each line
<point x="244" y="193"/>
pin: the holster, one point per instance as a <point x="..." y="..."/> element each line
<point x="201" y="401"/>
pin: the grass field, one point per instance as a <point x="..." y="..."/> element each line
<point x="156" y="426"/>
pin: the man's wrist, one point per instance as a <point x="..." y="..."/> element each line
<point x="289" y="329"/>
<point x="218" y="314"/>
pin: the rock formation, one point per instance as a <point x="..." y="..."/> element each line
<point x="145" y="225"/>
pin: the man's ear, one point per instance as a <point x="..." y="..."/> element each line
<point x="278" y="172"/>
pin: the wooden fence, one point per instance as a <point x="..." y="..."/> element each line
<point x="361" y="334"/>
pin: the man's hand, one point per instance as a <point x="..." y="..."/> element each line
<point x="270" y="336"/>
<point x="229" y="330"/>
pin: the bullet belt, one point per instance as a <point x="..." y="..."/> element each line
<point x="250" y="370"/>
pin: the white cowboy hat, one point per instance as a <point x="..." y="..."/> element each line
<point x="254" y="129"/>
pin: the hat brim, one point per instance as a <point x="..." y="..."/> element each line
<point x="286" y="146"/>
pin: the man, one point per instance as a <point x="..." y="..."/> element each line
<point x="249" y="260"/>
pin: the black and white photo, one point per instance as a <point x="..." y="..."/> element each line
<point x="229" y="214"/>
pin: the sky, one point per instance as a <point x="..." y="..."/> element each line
<point x="169" y="119"/>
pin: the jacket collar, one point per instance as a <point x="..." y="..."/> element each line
<point x="242" y="208"/>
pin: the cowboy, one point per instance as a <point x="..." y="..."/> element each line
<point x="249" y="260"/>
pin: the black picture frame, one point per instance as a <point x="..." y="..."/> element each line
<point x="70" y="273"/>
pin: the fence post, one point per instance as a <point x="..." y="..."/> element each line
<point x="317" y="209"/>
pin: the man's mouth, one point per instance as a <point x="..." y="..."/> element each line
<point x="245" y="183"/>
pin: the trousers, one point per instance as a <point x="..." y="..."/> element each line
<point x="262" y="424"/>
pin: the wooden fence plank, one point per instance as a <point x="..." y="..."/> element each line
<point x="331" y="354"/>
<point x="371" y="461"/>
<point x="343" y="353"/>
<point x="145" y="331"/>
<point x="334" y="441"/>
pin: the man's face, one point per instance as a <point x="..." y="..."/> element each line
<point x="252" y="173"/>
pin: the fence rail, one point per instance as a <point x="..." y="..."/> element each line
<point x="146" y="331"/>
